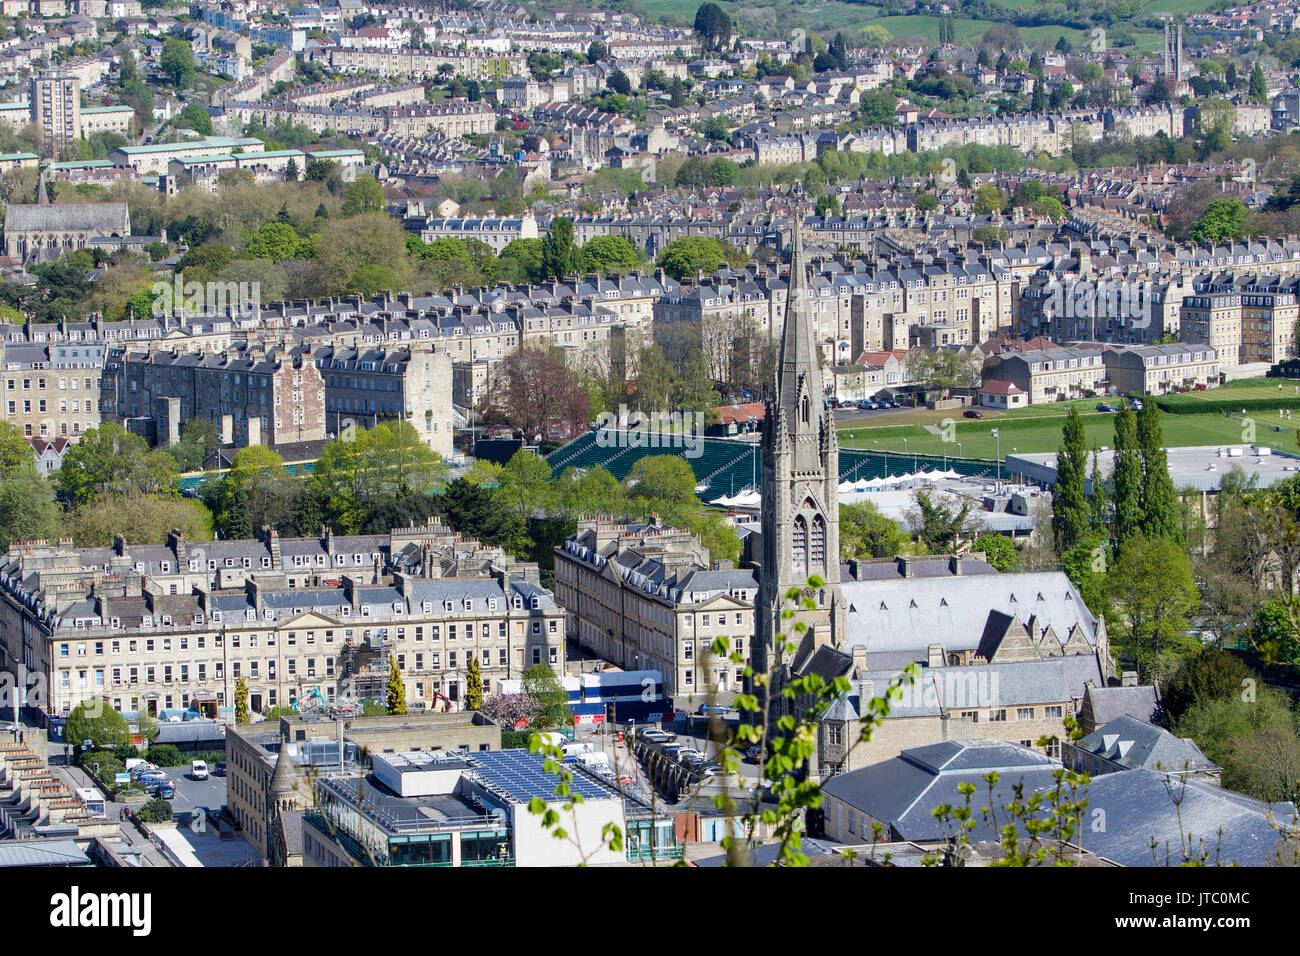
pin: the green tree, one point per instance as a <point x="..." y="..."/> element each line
<point x="198" y="118"/>
<point x="926" y="202"/>
<point x="560" y="255"/>
<point x="666" y="478"/>
<point x="111" y="459"/>
<point x="364" y="194"/>
<point x="396" y="698"/>
<point x="685" y="257"/>
<point x="866" y="533"/>
<point x="548" y="696"/>
<point x="1069" y="498"/>
<point x="95" y="720"/>
<point x="714" y="27"/>
<point x="1273" y="633"/>
<point x="610" y="255"/>
<point x="1126" y="481"/>
<point x="27" y="507"/>
<point x="1222" y="219"/>
<point x="1098" y="511"/>
<point x="1153" y="587"/>
<point x="277" y="241"/>
<point x="524" y="485"/>
<point x="241" y="701"/>
<point x="1160" y="517"/>
<point x="1210" y="674"/>
<point x="473" y="683"/>
<point x="1258" y="85"/>
<point x="177" y="62"/>
<point x="999" y="550"/>
<point x="939" y="523"/>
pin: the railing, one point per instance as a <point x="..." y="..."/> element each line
<point x="643" y="854"/>
<point x="497" y="861"/>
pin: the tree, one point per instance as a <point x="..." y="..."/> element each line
<point x="926" y="202"/>
<point x="610" y="255"/>
<point x="95" y="720"/>
<point x="663" y="478"/>
<point x="1153" y="587"/>
<point x="1159" y="501"/>
<point x="473" y="683"/>
<point x="988" y="198"/>
<point x="1069" y="496"/>
<point x="111" y="459"/>
<point x="548" y="696"/>
<point x="524" y="485"/>
<point x="939" y="523"/>
<point x="538" y="395"/>
<point x="1098" y="513"/>
<point x="688" y="256"/>
<point x="320" y="170"/>
<point x="141" y="519"/>
<point x="1222" y="219"/>
<point x="364" y="194"/>
<point x="1038" y="99"/>
<point x="560" y="256"/>
<point x="156" y="810"/>
<point x="999" y="551"/>
<point x="27" y="507"/>
<point x="277" y="241"/>
<point x="1258" y="85"/>
<point x="866" y="533"/>
<point x="396" y="698"/>
<point x="596" y="50"/>
<point x="618" y="82"/>
<point x="177" y="62"/>
<point x="199" y="119"/>
<point x="241" y="701"/>
<point x="1127" y="478"/>
<point x="713" y="26"/>
<point x="1273" y="633"/>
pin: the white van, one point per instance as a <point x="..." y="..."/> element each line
<point x="198" y="770"/>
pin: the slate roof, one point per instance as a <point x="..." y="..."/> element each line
<point x="1132" y="744"/>
<point x="1139" y="807"/>
<point x="901" y="792"/>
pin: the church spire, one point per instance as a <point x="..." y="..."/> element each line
<point x="798" y="371"/>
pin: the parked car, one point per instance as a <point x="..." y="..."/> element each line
<point x="653" y="736"/>
<point x="626" y="780"/>
<point x="973" y="413"/>
<point x="220" y="769"/>
<point x="705" y="709"/>
<point x="1103" y="407"/>
<point x="147" y="776"/>
<point x="166" y="790"/>
<point x="198" y="770"/>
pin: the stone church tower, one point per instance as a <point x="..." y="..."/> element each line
<point x="800" y="488"/>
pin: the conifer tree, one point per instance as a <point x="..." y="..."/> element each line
<point x="473" y="683"/>
<point x="396" y="689"/>
<point x="1069" y="501"/>
<point x="1126" y="482"/>
<point x="1097" y="512"/>
<point x="1159" y="500"/>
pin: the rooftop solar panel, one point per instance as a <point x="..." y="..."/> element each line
<point x="519" y="775"/>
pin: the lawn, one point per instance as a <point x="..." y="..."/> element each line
<point x="1037" y="429"/>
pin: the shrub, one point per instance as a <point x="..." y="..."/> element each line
<point x="155" y="811"/>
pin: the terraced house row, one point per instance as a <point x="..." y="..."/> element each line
<point x="173" y="627"/>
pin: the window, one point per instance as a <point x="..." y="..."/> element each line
<point x="1052" y="712"/>
<point x="1024" y="713"/>
<point x="997" y="716"/>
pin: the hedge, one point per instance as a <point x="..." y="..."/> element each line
<point x="1187" y="405"/>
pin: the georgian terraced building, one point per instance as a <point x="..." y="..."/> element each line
<point x="173" y="627"/>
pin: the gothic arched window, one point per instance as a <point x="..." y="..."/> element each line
<point x="818" y="541"/>
<point x="799" y="543"/>
<point x="803" y="410"/>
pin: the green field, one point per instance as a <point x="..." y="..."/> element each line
<point x="1038" y="429"/>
